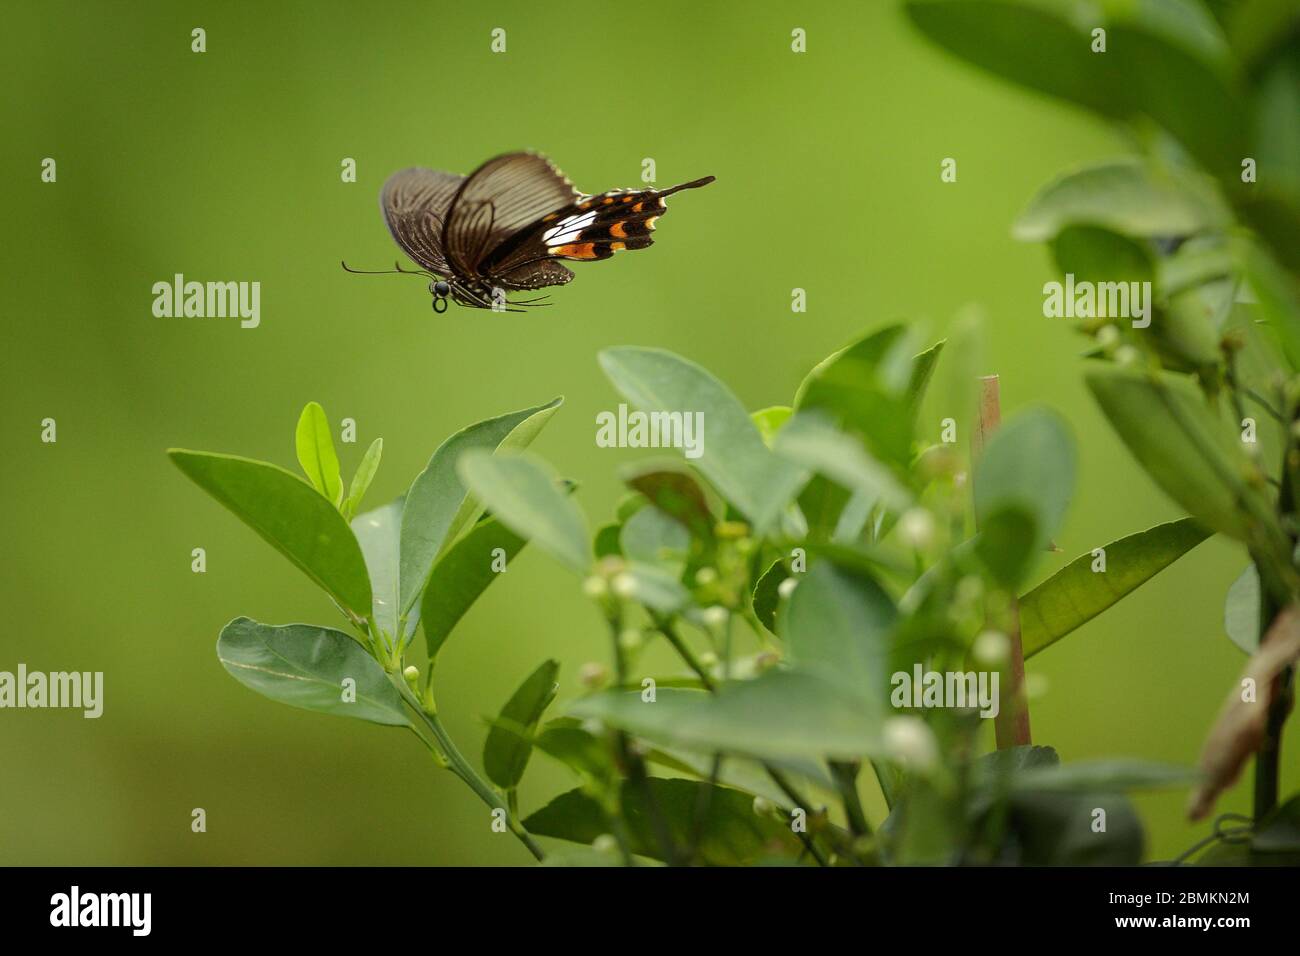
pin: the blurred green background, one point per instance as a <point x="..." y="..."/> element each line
<point x="225" y="166"/>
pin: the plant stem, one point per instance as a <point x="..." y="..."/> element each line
<point x="846" y="781"/>
<point x="462" y="768"/>
<point x="1011" y="725"/>
<point x="667" y="630"/>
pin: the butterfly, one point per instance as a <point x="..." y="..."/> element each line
<point x="506" y="227"/>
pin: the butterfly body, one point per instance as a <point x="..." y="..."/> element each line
<point x="507" y="226"/>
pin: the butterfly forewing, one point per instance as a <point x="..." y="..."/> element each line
<point x="415" y="203"/>
<point x="496" y="201"/>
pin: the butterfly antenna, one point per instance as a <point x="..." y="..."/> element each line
<point x="385" y="272"/>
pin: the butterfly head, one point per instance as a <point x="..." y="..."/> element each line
<point x="439" y="289"/>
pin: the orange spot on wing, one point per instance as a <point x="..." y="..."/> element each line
<point x="618" y="246"/>
<point x="608" y="200"/>
<point x="617" y="231"/>
<point x="637" y="207"/>
<point x="576" y="250"/>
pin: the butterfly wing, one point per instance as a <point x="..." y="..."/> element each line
<point x="496" y="201"/>
<point x="415" y="203"/>
<point x="593" y="228"/>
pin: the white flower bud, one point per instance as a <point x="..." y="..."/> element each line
<point x="786" y="588"/>
<point x="715" y="616"/>
<point x="605" y="843"/>
<point x="916" y="529"/>
<point x="624" y="585"/>
<point x="910" y="742"/>
<point x="705" y="576"/>
<point x="594" y="587"/>
<point x="991" y="648"/>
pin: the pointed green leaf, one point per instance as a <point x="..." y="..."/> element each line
<point x="506" y="753"/>
<point x="1241" y="611"/>
<point x="437" y="507"/>
<point x="523" y="494"/>
<point x="316" y="454"/>
<point x="379" y="533"/>
<point x="865" y="388"/>
<point x="290" y="516"/>
<point x="315" y="668"/>
<point x="769" y="421"/>
<point x="732" y="453"/>
<point x="461" y="576"/>
<point x="1047" y="45"/>
<point x="364" y="475"/>
<point x="1123" y="196"/>
<point x="1188" y="450"/>
<point x="1076" y="594"/>
<point x="767" y="594"/>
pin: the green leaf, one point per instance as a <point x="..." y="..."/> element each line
<point x="1028" y="465"/>
<point x="1189" y="451"/>
<point x="1056" y="829"/>
<point x="729" y="834"/>
<point x="316" y="452"/>
<point x="523" y="494"/>
<point x="653" y="537"/>
<point x="769" y="421"/>
<point x="1123" y="196"/>
<point x="306" y="666"/>
<point x="461" y="576"/>
<point x="1164" y="59"/>
<point x="675" y="493"/>
<point x="290" y="516"/>
<point x="1076" y="594"/>
<point x="365" y="474"/>
<point x="767" y="594"/>
<point x="781" y="715"/>
<point x="1241" y="611"/>
<point x="864" y="387"/>
<point x="379" y="531"/>
<point x="437" y="506"/>
<point x="1092" y="254"/>
<point x="1115" y="775"/>
<point x="652" y="586"/>
<point x="810" y="439"/>
<point x="837" y="624"/>
<point x="564" y="739"/>
<point x="505" y="754"/>
<point x="1008" y="544"/>
<point x="733" y="455"/>
<point x="922" y="371"/>
<point x="606" y="542"/>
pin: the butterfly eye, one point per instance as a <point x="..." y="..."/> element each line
<point x="440" y="288"/>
